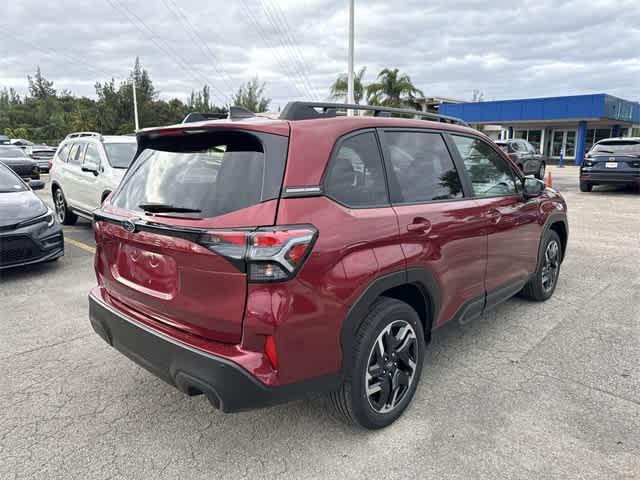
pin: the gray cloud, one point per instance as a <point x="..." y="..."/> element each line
<point x="450" y="48"/>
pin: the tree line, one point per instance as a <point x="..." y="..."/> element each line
<point x="47" y="115"/>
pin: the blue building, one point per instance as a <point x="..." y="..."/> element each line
<point x="556" y="125"/>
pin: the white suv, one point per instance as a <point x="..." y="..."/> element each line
<point x="86" y="168"/>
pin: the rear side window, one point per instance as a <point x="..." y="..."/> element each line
<point x="355" y="176"/>
<point x="490" y="174"/>
<point x="424" y="170"/>
<point x="211" y="173"/>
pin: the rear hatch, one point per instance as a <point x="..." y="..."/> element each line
<point x="615" y="155"/>
<point x="170" y="240"/>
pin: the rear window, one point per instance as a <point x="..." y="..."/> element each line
<point x="120" y="155"/>
<point x="213" y="173"/>
<point x="43" y="153"/>
<point x="617" y="147"/>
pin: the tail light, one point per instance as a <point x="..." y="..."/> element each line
<point x="271" y="254"/>
<point x="50" y="164"/>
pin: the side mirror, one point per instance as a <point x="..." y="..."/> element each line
<point x="532" y="187"/>
<point x="89" y="166"/>
<point x="36" y="184"/>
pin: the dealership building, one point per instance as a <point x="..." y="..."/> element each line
<point x="557" y="126"/>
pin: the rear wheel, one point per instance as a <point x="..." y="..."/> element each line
<point x="544" y="280"/>
<point x="65" y="216"/>
<point x="385" y="368"/>
<point x="585" y="187"/>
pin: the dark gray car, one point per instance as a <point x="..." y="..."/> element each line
<point x="525" y="156"/>
<point x="17" y="160"/>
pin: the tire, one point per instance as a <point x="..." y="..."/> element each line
<point x="389" y="320"/>
<point x="541" y="171"/>
<point x="541" y="286"/>
<point x="65" y="216"/>
<point x="585" y="187"/>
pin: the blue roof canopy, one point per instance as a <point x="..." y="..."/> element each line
<point x="579" y="107"/>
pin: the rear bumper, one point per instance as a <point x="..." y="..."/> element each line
<point x="227" y="385"/>
<point x="618" y="178"/>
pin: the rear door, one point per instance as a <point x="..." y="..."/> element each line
<point x="442" y="229"/>
<point x="72" y="176"/>
<point x="89" y="190"/>
<point x="183" y="267"/>
<point x="513" y="228"/>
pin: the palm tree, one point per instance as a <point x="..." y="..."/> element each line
<point x="340" y="86"/>
<point x="392" y="89"/>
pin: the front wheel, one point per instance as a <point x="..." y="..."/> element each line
<point x="541" y="171"/>
<point x="65" y="216"/>
<point x="385" y="368"/>
<point x="543" y="282"/>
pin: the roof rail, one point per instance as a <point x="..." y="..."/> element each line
<point x="83" y="134"/>
<point x="309" y="110"/>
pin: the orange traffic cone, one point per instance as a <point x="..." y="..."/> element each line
<point x="549" y="181"/>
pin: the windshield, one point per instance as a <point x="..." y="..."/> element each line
<point x="10" y="182"/>
<point x="617" y="147"/>
<point x="120" y="154"/>
<point x="204" y="181"/>
<point x="12" y="152"/>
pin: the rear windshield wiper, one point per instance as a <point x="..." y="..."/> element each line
<point x="165" y="208"/>
<point x="603" y="151"/>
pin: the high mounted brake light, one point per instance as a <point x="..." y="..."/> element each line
<point x="268" y="254"/>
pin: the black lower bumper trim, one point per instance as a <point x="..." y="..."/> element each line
<point x="227" y="385"/>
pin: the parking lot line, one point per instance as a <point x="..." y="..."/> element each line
<point x="83" y="246"/>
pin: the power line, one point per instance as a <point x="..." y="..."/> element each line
<point x="282" y="19"/>
<point x="274" y="50"/>
<point x="53" y="53"/>
<point x="197" y="38"/>
<point x="196" y="75"/>
<point x="282" y="39"/>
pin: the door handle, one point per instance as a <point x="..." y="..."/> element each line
<point x="494" y="215"/>
<point x="419" y="225"/>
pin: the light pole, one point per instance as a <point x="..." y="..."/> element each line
<point x="350" y="79"/>
<point x="135" y="102"/>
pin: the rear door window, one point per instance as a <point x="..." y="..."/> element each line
<point x="209" y="173"/>
<point x="422" y="166"/>
<point x="355" y="176"/>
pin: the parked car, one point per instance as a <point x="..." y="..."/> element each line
<point x="259" y="260"/>
<point x="4" y="140"/>
<point x="86" y="168"/>
<point x="613" y="161"/>
<point x="17" y="160"/>
<point x="42" y="155"/>
<point x="29" y="232"/>
<point x="525" y="156"/>
<point x="21" y="142"/>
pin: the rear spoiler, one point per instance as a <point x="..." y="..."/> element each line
<point x="201" y="117"/>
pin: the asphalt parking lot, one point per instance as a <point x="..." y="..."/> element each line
<point x="529" y="391"/>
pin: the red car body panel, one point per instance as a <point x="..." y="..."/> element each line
<point x="469" y="246"/>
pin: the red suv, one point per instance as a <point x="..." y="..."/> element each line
<point x="258" y="260"/>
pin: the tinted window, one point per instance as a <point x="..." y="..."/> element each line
<point x="92" y="155"/>
<point x="12" y="152"/>
<point x="355" y="176"/>
<point x="10" y="182"/>
<point x="120" y="155"/>
<point x="76" y="153"/>
<point x="213" y="173"/>
<point x="617" y="147"/>
<point x="490" y="174"/>
<point x="422" y="166"/>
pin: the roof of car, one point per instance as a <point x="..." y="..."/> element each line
<point x="619" y="139"/>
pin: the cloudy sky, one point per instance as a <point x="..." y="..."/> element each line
<point x="505" y="49"/>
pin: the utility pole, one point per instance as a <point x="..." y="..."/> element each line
<point x="135" y="102"/>
<point x="350" y="75"/>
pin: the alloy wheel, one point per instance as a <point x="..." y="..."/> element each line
<point x="391" y="366"/>
<point x="60" y="205"/>
<point x="551" y="266"/>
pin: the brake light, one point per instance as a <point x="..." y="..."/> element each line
<point x="268" y="254"/>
